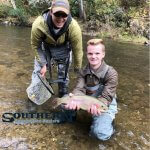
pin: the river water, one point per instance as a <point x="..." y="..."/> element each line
<point x="131" y="123"/>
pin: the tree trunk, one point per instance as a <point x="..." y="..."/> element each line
<point x="82" y="14"/>
<point x="13" y="4"/>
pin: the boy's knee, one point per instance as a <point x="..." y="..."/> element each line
<point x="102" y="127"/>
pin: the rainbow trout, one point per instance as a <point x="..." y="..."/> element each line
<point x="84" y="102"/>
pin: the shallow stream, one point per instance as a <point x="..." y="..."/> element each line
<point x="131" y="123"/>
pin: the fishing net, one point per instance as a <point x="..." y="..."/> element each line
<point x="39" y="91"/>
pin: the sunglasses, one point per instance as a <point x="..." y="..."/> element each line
<point x="60" y="14"/>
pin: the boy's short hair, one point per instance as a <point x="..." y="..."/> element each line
<point x="96" y="42"/>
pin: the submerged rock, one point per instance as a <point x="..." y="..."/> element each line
<point x="15" y="143"/>
<point x="147" y="43"/>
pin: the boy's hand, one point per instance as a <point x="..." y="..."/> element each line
<point x="94" y="111"/>
<point x="72" y="104"/>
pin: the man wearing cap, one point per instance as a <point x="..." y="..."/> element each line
<point x="99" y="80"/>
<point x="55" y="35"/>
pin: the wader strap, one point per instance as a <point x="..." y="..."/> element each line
<point x="101" y="83"/>
<point x="103" y="75"/>
<point x="47" y="54"/>
<point x="97" y="89"/>
<point x="67" y="67"/>
<point x="93" y="88"/>
<point x="49" y="62"/>
<point x="66" y="61"/>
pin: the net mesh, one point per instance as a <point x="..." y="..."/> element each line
<point x="37" y="92"/>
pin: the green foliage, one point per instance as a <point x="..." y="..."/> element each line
<point x="37" y="7"/>
<point x="132" y="3"/>
<point x="120" y="18"/>
<point x="107" y="11"/>
<point x="20" y="14"/>
<point x="74" y="8"/>
<point x="4" y="9"/>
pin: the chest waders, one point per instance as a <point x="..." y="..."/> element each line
<point x="97" y="90"/>
<point x="61" y="55"/>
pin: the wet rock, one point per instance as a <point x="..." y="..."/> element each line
<point x="63" y="132"/>
<point x="118" y="134"/>
<point x="102" y="147"/>
<point x="22" y="146"/>
<point x="15" y="143"/>
<point x="124" y="146"/>
<point x="54" y="139"/>
<point x="147" y="43"/>
<point x="145" y="141"/>
<point x="130" y="133"/>
<point x="20" y="74"/>
<point x="136" y="146"/>
<point x="61" y="142"/>
<point x="125" y="105"/>
<point x="6" y="22"/>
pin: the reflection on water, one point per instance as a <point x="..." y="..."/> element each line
<point x="132" y="126"/>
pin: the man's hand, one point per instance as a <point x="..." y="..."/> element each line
<point x="94" y="111"/>
<point x="43" y="71"/>
<point x="74" y="105"/>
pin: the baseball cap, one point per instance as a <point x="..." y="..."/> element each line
<point x="60" y="5"/>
